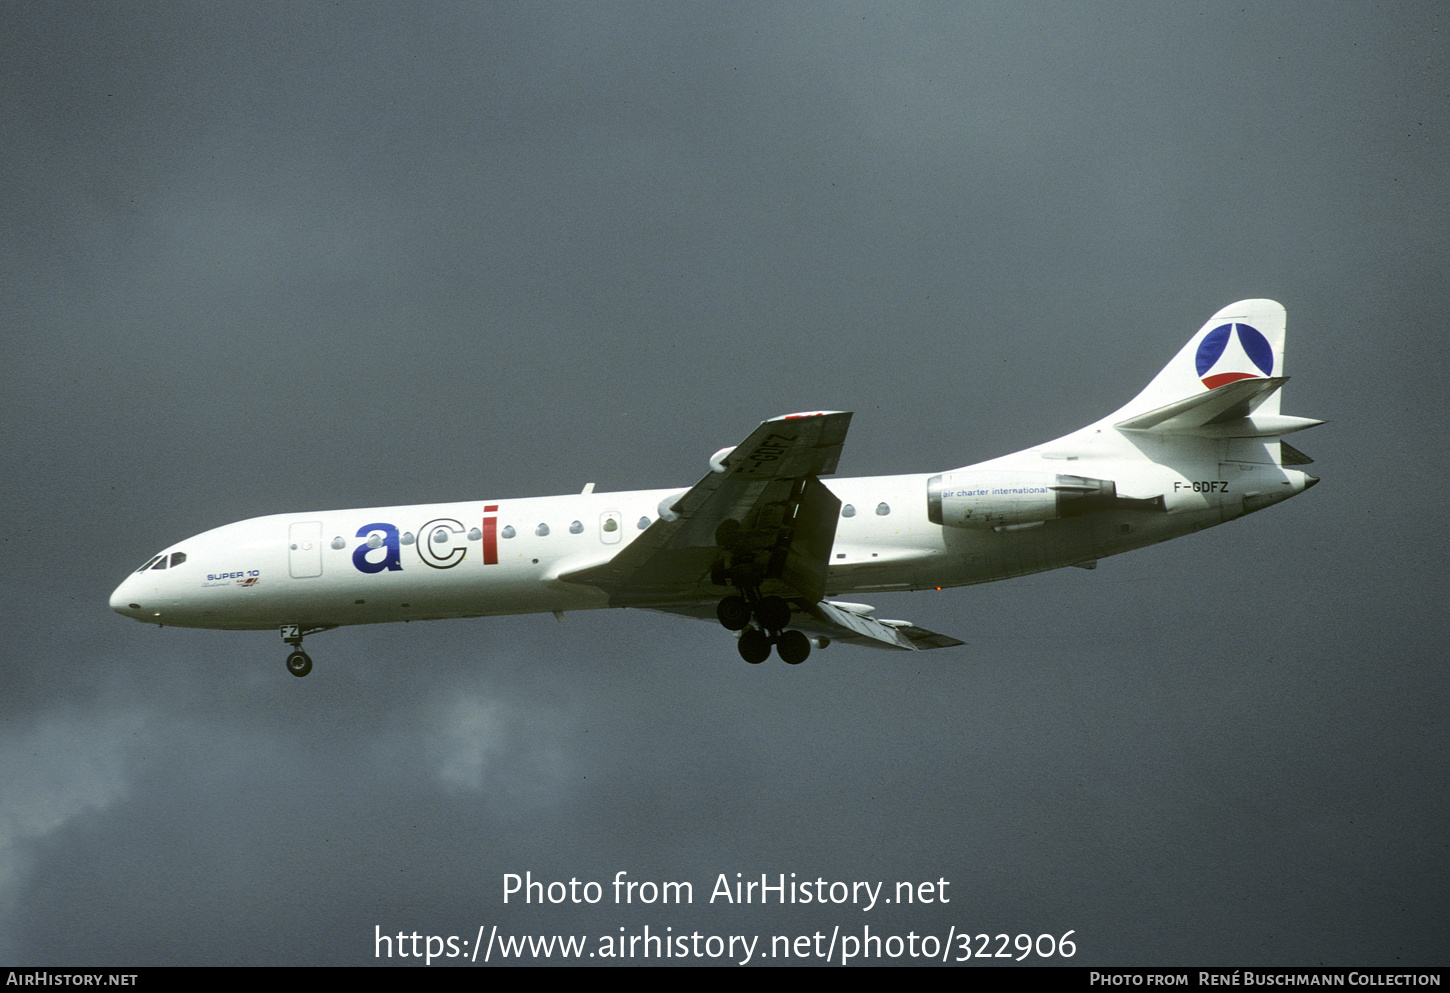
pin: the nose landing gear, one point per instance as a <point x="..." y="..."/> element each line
<point x="299" y="663"/>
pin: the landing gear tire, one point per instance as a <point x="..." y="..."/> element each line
<point x="754" y="646"/>
<point x="793" y="647"/>
<point x="298" y="663"/>
<point x="734" y="613"/>
<point x="773" y="613"/>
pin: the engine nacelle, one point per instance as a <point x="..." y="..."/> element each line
<point x="996" y="498"/>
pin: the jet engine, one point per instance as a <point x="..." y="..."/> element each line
<point x="1005" y="498"/>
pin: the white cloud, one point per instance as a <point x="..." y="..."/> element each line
<point x="475" y="740"/>
<point x="470" y="736"/>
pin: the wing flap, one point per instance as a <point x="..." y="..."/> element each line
<point x="841" y="624"/>
<point x="808" y="555"/>
<point x="859" y="628"/>
<point x="851" y="625"/>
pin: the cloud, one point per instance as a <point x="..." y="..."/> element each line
<point x="65" y="764"/>
<point x="475" y="738"/>
<point x="471" y="738"/>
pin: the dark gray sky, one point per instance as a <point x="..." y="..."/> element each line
<point x="266" y="259"/>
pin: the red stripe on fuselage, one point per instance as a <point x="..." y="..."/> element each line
<point x="490" y="536"/>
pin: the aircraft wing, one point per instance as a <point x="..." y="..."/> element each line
<point x="843" y="624"/>
<point x="759" y="507"/>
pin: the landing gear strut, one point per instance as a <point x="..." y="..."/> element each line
<point x="773" y="613"/>
<point x="761" y="620"/>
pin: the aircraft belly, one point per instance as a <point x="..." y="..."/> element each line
<point x="434" y="595"/>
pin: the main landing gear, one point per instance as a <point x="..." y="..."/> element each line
<point x="771" y="614"/>
<point x="299" y="663"/>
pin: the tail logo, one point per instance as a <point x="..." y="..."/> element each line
<point x="1218" y="363"/>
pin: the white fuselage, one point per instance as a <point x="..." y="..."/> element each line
<point x="480" y="558"/>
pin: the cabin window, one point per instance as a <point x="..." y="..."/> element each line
<point x="882" y="509"/>
<point x="475" y="534"/>
<point x="576" y="528"/>
<point x="542" y="530"/>
<point x="643" y="523"/>
<point x="340" y="543"/>
<point x="610" y="524"/>
<point x="375" y="540"/>
<point x="407" y="538"/>
<point x="848" y="511"/>
<point x="508" y="531"/>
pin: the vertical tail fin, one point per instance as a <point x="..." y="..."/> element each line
<point x="1244" y="340"/>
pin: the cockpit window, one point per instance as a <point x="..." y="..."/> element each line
<point x="160" y="562"/>
<point x="150" y="562"/>
<point x="177" y="558"/>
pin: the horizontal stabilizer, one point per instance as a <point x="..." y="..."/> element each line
<point x="1289" y="455"/>
<point x="1231" y="402"/>
<point x="1256" y="426"/>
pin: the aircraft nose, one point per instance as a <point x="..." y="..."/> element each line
<point x="121" y="600"/>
